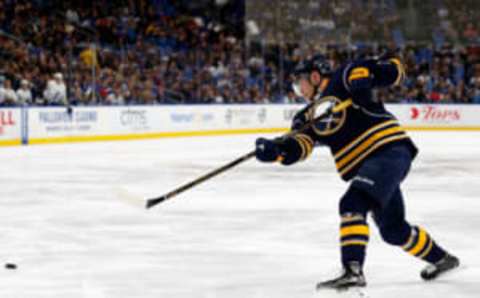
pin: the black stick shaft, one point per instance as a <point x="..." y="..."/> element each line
<point x="155" y="201"/>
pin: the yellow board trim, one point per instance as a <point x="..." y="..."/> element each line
<point x="367" y="143"/>
<point x="422" y="240"/>
<point x="354" y="230"/>
<point x="10" y="142"/>
<point x="56" y="140"/>
<point x="70" y="139"/>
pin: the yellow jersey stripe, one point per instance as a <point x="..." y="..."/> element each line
<point x="307" y="138"/>
<point x="354" y="230"/>
<point x="306" y="145"/>
<point x="362" y="136"/>
<point x="356" y="77"/>
<point x="304" y="141"/>
<point x="353" y="242"/>
<point x="367" y="143"/>
<point x="302" y="146"/>
<point x="358" y="73"/>
<point x="400" y="69"/>
<point x="366" y="153"/>
<point x="422" y="240"/>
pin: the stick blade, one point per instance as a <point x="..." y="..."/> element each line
<point x="155" y="201"/>
<point x="129" y="198"/>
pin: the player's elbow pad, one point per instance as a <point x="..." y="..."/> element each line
<point x="360" y="78"/>
<point x="296" y="148"/>
<point x="389" y="73"/>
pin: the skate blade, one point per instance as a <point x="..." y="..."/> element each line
<point x="348" y="291"/>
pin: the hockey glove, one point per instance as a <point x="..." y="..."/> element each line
<point x="267" y="150"/>
<point x="285" y="150"/>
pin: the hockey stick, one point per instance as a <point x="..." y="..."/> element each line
<point x="154" y="201"/>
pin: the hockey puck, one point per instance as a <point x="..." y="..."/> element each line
<point x="10" y="266"/>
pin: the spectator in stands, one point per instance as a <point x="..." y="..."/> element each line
<point x="9" y="95"/>
<point x="157" y="52"/>
<point x="56" y="91"/>
<point x="24" y="93"/>
<point x="2" y="90"/>
<point x="470" y="33"/>
<point x="474" y="93"/>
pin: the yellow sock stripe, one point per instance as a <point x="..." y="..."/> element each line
<point x="354" y="242"/>
<point x="347" y="219"/>
<point x="422" y="240"/>
<point x="429" y="248"/>
<point x="354" y="230"/>
<point x="367" y="143"/>
<point x="362" y="136"/>
<point x="366" y="153"/>
<point x="410" y="240"/>
<point x="359" y="73"/>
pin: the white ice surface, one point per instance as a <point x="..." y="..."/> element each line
<point x="256" y="231"/>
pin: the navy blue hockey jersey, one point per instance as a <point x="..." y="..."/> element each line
<point x="364" y="128"/>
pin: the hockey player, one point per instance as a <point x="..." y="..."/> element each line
<point x="371" y="151"/>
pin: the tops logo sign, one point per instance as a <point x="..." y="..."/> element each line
<point x="435" y="114"/>
<point x="6" y="119"/>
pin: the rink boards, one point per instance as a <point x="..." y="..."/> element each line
<point x="41" y="125"/>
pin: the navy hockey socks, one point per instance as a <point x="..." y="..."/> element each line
<point x="421" y="245"/>
<point x="354" y="235"/>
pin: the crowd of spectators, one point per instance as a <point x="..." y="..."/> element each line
<point x="167" y="52"/>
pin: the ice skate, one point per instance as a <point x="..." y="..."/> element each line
<point x="446" y="264"/>
<point x="352" y="276"/>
